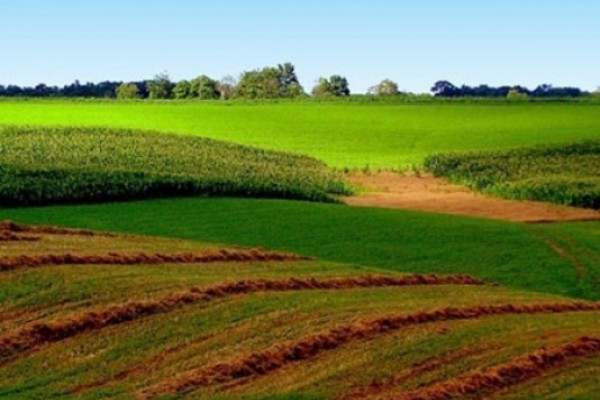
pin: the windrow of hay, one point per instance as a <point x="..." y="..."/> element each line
<point x="275" y="357"/>
<point x="9" y="263"/>
<point x="6" y="236"/>
<point x="10" y="226"/>
<point x="505" y="375"/>
<point x="29" y="337"/>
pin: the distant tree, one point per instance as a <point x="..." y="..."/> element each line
<point x="445" y="89"/>
<point x="335" y="86"/>
<point x="270" y="86"/>
<point x="386" y="87"/>
<point x="259" y="84"/>
<point x="339" y="86"/>
<point x="515" y="94"/>
<point x="289" y="83"/>
<point x="226" y="87"/>
<point x="182" y="90"/>
<point x="160" y="87"/>
<point x="596" y="94"/>
<point x="322" y="89"/>
<point x="127" y="91"/>
<point x="205" y="88"/>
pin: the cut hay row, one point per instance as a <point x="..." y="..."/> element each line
<point x="430" y="364"/>
<point x="308" y="347"/>
<point x="9" y="263"/>
<point x="7" y="236"/>
<point x="37" y="334"/>
<point x="10" y="226"/>
<point x="508" y="374"/>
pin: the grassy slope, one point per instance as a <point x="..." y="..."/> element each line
<point x="340" y="133"/>
<point x="515" y="255"/>
<point x="159" y="347"/>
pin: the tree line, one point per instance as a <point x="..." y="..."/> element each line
<point x="447" y="89"/>
<point x="276" y="82"/>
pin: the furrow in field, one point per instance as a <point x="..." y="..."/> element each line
<point x="309" y="347"/>
<point x="10" y="226"/>
<point x="40" y="333"/>
<point x="505" y="375"/>
<point x="9" y="263"/>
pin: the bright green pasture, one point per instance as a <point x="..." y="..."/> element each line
<point x="515" y="255"/>
<point x="340" y="133"/>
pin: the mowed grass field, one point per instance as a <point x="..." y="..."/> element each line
<point x="341" y="133"/>
<point x="555" y="258"/>
<point x="272" y="329"/>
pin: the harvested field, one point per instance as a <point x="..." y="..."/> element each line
<point x="257" y="329"/>
<point x="307" y="348"/>
<point x="29" y="337"/>
<point x="427" y="193"/>
<point x="502" y="376"/>
<point x="13" y="263"/>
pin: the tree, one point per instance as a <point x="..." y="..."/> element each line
<point x="226" y="87"/>
<point x="445" y="89"/>
<point x="182" y="90"/>
<point x="336" y="86"/>
<point x="205" y="88"/>
<point x="160" y="87"/>
<point x="127" y="91"/>
<point x="322" y="89"/>
<point x="596" y="94"/>
<point x="385" y="88"/>
<point x="515" y="95"/>
<point x="289" y="83"/>
<point x="339" y="86"/>
<point x="259" y="84"/>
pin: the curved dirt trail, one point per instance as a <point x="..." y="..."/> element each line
<point x="427" y="193"/>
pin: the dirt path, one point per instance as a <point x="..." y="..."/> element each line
<point x="427" y="193"/>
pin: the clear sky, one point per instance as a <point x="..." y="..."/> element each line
<point x="414" y="42"/>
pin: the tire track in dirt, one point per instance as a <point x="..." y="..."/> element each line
<point x="564" y="253"/>
<point x="37" y="334"/>
<point x="505" y="375"/>
<point x="279" y="355"/>
<point x="10" y="263"/>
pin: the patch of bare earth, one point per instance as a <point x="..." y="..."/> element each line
<point x="428" y="193"/>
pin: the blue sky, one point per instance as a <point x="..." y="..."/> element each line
<point x="414" y="42"/>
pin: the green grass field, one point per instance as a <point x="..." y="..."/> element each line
<point x="515" y="255"/>
<point x="380" y="134"/>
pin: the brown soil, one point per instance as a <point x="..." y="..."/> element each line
<point x="15" y="262"/>
<point x="505" y="375"/>
<point x="30" y="337"/>
<point x="427" y="193"/>
<point x="308" y="347"/>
